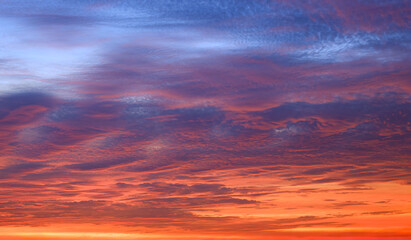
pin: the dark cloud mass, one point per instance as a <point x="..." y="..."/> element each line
<point x="212" y="119"/>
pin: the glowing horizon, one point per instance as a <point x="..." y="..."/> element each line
<point x="216" y="119"/>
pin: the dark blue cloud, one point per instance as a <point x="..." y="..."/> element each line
<point x="103" y="164"/>
<point x="20" y="168"/>
<point x="355" y="110"/>
<point x="14" y="101"/>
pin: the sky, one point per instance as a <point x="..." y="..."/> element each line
<point x="224" y="119"/>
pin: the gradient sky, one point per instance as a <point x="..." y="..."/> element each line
<point x="189" y="119"/>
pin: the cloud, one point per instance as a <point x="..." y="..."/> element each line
<point x="256" y="118"/>
<point x="20" y="168"/>
<point x="104" y="164"/>
<point x="182" y="189"/>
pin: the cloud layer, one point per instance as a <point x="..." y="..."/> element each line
<point x="239" y="119"/>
